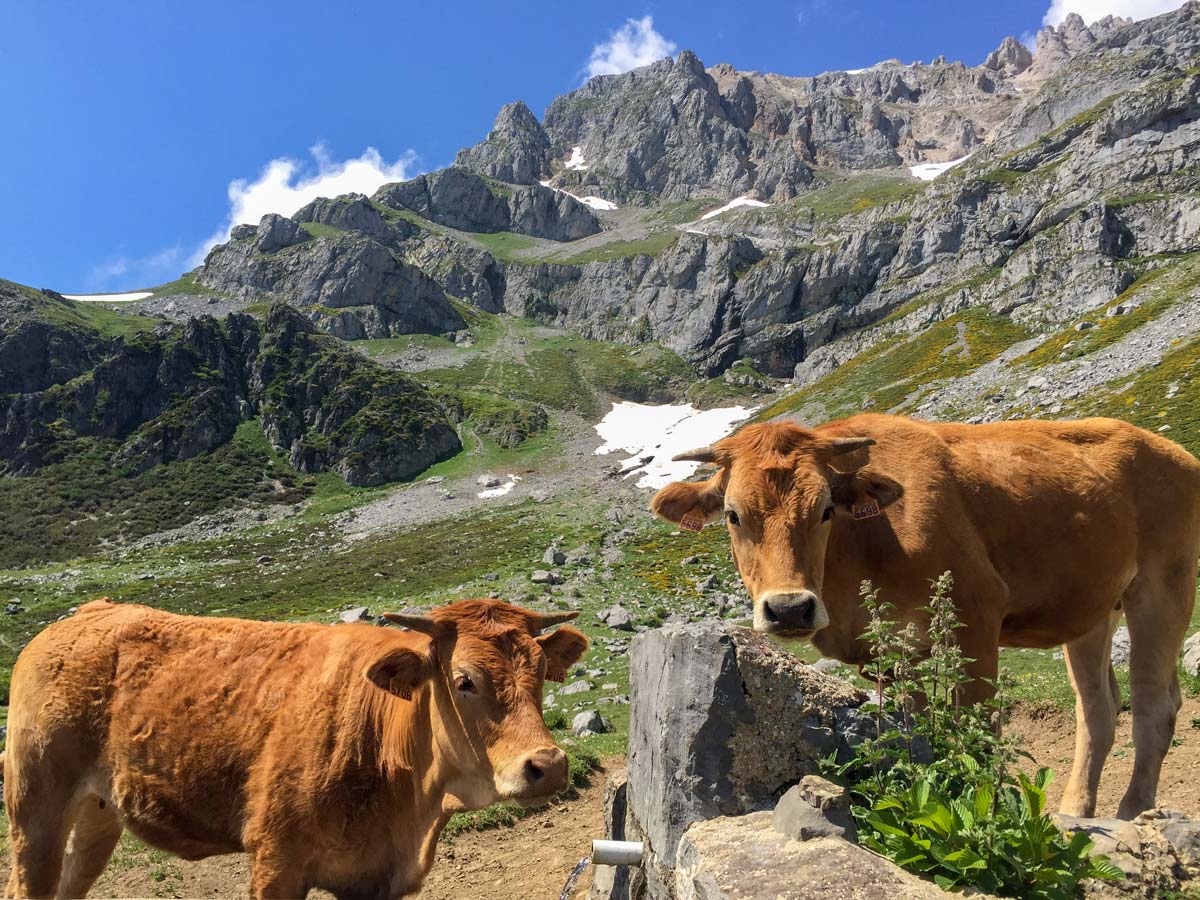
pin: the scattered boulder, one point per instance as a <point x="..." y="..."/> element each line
<point x="1120" y="647"/>
<point x="814" y="808"/>
<point x="616" y="617"/>
<point x="554" y="557"/>
<point x="541" y="576"/>
<point x="576" y="687"/>
<point x="1191" y="655"/>
<point x="590" y="722"/>
<point x="355" y="614"/>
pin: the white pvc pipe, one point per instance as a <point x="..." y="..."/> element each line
<point x="617" y="853"/>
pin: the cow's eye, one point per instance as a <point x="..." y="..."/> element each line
<point x="464" y="684"/>
<point x="732" y="518"/>
<point x="828" y="514"/>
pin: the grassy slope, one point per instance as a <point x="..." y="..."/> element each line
<point x="896" y="371"/>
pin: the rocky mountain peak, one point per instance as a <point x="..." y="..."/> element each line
<point x="1011" y="57"/>
<point x="516" y="150"/>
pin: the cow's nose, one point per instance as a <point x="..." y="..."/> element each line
<point x="795" y="611"/>
<point x="546" y="771"/>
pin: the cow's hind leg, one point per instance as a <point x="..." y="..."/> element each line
<point x="1097" y="702"/>
<point x="38" y="825"/>
<point x="95" y="835"/>
<point x="1158" y="608"/>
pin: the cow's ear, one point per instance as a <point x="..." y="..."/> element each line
<point x="563" y="648"/>
<point x="691" y="504"/>
<point x="400" y="672"/>
<point x="863" y="494"/>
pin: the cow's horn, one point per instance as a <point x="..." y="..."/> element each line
<point x="700" y="454"/>
<point x="548" y="620"/>
<point x="423" y="624"/>
<point x="850" y="444"/>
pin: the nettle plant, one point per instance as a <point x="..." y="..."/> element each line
<point x="937" y="789"/>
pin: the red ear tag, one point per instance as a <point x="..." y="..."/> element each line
<point x="692" y="522"/>
<point x="865" y="509"/>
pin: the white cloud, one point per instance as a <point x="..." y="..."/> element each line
<point x="1091" y="10"/>
<point x="631" y="46"/>
<point x="140" y="271"/>
<point x="284" y="185"/>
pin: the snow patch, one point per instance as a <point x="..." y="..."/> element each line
<point x="500" y="491"/>
<point x="733" y="204"/>
<point x="858" y="71"/>
<point x="576" y="160"/>
<point x="597" y="203"/>
<point x="661" y="432"/>
<point x="930" y="171"/>
<point x="110" y="298"/>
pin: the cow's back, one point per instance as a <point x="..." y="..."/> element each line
<point x="1054" y="519"/>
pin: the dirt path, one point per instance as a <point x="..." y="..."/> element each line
<point x="1049" y="736"/>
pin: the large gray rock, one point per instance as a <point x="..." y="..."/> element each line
<point x="744" y="858"/>
<point x="722" y="722"/>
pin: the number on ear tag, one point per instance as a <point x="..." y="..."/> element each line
<point x="865" y="509"/>
<point x="692" y="522"/>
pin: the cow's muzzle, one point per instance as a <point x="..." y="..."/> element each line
<point x="541" y="774"/>
<point x="790" y="614"/>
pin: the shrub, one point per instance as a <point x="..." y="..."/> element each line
<point x="936" y="790"/>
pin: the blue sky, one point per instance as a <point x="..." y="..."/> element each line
<point x="125" y="124"/>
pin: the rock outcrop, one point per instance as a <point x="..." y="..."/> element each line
<point x="705" y="699"/>
<point x="460" y="199"/>
<point x="42" y="340"/>
<point x="183" y="391"/>
<point x="517" y="149"/>
<point x="354" y="285"/>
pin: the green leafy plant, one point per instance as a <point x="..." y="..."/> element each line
<point x="936" y="788"/>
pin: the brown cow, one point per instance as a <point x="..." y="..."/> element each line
<point x="333" y="756"/>
<point x="1052" y="530"/>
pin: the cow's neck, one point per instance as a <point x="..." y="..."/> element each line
<point x="417" y="776"/>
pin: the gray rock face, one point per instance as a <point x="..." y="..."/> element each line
<point x="354" y="212"/>
<point x="1120" y="648"/>
<point x="458" y="198"/>
<point x="1011" y="57"/>
<point x="172" y="397"/>
<point x="705" y="700"/>
<point x="517" y="149"/>
<point x="331" y="408"/>
<point x="358" y="285"/>
<point x="35" y="352"/>
<point x="276" y="232"/>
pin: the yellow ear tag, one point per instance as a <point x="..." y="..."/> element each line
<point x="692" y="521"/>
<point x="402" y="692"/>
<point x="865" y="509"/>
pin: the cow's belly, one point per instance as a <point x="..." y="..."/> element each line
<point x="191" y="819"/>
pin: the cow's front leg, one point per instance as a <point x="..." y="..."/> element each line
<point x="981" y="645"/>
<point x="275" y="876"/>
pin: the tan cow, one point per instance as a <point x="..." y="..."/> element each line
<point x="1053" y="531"/>
<point x="333" y="756"/>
